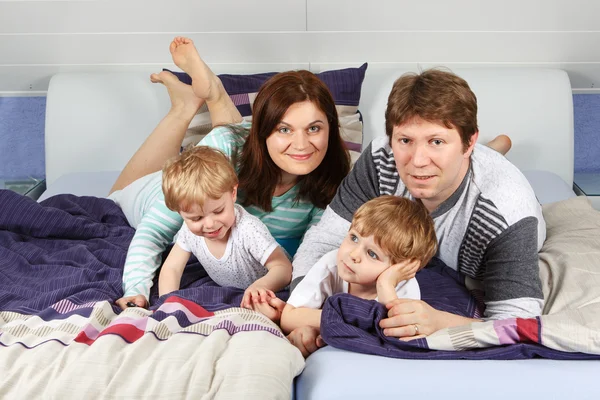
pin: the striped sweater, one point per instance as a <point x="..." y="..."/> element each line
<point x="489" y="229"/>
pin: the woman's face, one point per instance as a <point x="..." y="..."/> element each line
<point x="299" y="142"/>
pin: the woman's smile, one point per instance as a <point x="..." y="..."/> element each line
<point x="300" y="157"/>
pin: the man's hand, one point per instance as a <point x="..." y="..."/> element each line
<point x="139" y="301"/>
<point x="307" y="339"/>
<point x="414" y="319"/>
<point x="256" y="294"/>
<point x="411" y="319"/>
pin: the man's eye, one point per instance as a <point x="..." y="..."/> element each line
<point x="437" y="142"/>
<point x="372" y="254"/>
<point x="404" y="141"/>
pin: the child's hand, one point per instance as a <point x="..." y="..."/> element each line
<point x="256" y="294"/>
<point x="397" y="273"/>
<point x="139" y="301"/>
<point x="271" y="309"/>
<point x="307" y="339"/>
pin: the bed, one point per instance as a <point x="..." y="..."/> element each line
<point x="94" y="122"/>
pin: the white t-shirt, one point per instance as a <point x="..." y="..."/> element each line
<point x="322" y="281"/>
<point x="249" y="246"/>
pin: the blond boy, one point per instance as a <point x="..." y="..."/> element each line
<point x="386" y="233"/>
<point x="234" y="247"/>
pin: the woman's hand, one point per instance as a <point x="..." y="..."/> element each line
<point x="307" y="339"/>
<point x="256" y="294"/>
<point x="126" y="302"/>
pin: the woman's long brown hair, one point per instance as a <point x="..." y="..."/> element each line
<point x="258" y="173"/>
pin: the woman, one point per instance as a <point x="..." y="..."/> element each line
<point x="290" y="160"/>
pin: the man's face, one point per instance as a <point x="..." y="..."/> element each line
<point x="430" y="159"/>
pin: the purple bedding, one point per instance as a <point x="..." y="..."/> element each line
<point x="74" y="248"/>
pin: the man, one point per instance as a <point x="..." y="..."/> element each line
<point x="488" y="221"/>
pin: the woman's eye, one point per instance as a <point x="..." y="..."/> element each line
<point x="314" y="129"/>
<point x="284" y="130"/>
<point x="372" y="254"/>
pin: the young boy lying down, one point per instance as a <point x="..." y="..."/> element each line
<point x="386" y="234"/>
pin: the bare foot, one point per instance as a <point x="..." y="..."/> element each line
<point x="205" y="83"/>
<point x="182" y="96"/>
<point x="501" y="144"/>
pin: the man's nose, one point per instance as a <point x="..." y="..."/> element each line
<point x="420" y="156"/>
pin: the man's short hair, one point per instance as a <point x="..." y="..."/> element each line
<point x="402" y="228"/>
<point x="435" y="96"/>
<point x="196" y="174"/>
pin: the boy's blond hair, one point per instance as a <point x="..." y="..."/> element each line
<point x="402" y="228"/>
<point x="198" y="173"/>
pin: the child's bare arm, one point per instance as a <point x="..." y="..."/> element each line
<point x="293" y="318"/>
<point x="278" y="277"/>
<point x="170" y="274"/>
<point x="280" y="271"/>
<point x="391" y="277"/>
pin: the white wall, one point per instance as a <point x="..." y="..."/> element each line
<point x="40" y="38"/>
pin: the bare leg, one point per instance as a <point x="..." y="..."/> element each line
<point x="165" y="141"/>
<point x="501" y="144"/>
<point x="205" y="83"/>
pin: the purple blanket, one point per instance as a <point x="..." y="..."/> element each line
<point x="73" y="248"/>
<point x="351" y="323"/>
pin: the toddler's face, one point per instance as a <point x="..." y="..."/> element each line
<point x="214" y="220"/>
<point x="360" y="260"/>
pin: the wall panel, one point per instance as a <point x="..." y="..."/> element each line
<point x="453" y="15"/>
<point x="151" y="16"/>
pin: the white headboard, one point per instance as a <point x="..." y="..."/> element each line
<point x="95" y="121"/>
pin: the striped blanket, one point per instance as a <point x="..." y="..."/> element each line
<point x="62" y="336"/>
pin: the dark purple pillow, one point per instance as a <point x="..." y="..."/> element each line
<point x="345" y="86"/>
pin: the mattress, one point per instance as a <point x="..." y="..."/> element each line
<point x="331" y="374"/>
